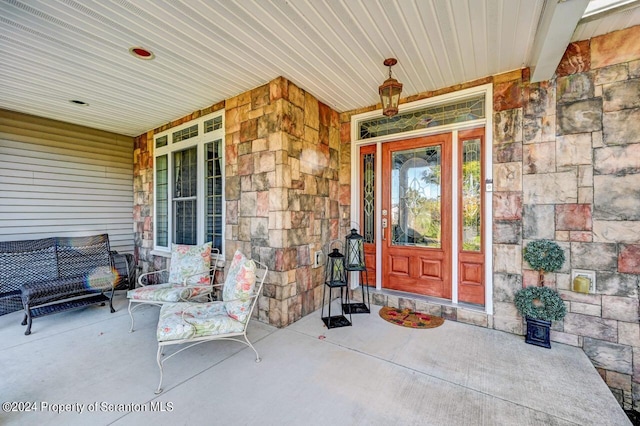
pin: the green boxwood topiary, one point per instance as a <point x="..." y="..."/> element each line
<point x="544" y="256"/>
<point x="549" y="305"/>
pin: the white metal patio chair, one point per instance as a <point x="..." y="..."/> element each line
<point x="190" y="276"/>
<point x="192" y="323"/>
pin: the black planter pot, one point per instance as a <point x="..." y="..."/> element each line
<point x="538" y="333"/>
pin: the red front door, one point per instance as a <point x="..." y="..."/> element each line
<point x="416" y="215"/>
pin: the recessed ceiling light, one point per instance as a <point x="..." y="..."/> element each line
<point x="77" y="102"/>
<point x="141" y="53"/>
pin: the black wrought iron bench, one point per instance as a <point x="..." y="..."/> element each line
<point x="55" y="274"/>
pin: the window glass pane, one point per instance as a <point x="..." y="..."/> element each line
<point x="162" y="202"/>
<point x="185" y="186"/>
<point x="471" y="195"/>
<point x="187" y="133"/>
<point x="185" y="222"/>
<point x="213" y="214"/>
<point x="185" y="175"/>
<point x="457" y="111"/>
<point x="213" y="124"/>
<point x="162" y="141"/>
<point x="416" y="205"/>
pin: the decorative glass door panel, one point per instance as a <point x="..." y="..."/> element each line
<point x="416" y="197"/>
<point x="368" y="209"/>
<point x="470" y="217"/>
<point x="416" y="215"/>
<point x="471" y="195"/>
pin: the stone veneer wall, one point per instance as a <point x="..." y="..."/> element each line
<point x="282" y="192"/>
<point x="566" y="160"/>
<point x="567" y="168"/>
<point x="285" y="196"/>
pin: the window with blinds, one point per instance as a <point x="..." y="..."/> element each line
<point x="189" y="184"/>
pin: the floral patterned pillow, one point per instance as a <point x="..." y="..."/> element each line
<point x="238" y="287"/>
<point x="229" y="288"/>
<point x="187" y="261"/>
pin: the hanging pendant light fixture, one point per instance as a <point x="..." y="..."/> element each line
<point x="390" y="91"/>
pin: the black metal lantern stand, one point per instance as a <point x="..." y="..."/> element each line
<point x="335" y="278"/>
<point x="354" y="249"/>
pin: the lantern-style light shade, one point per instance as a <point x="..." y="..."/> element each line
<point x="354" y="250"/>
<point x="335" y="273"/>
<point x="390" y="91"/>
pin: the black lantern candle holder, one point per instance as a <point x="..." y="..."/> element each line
<point x="355" y="262"/>
<point x="354" y="249"/>
<point x="336" y="274"/>
<point x="335" y="278"/>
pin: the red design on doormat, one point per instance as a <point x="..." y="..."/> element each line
<point x="409" y="318"/>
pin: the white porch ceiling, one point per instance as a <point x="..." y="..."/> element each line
<point x="209" y="50"/>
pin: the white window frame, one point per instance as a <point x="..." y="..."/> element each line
<point x="198" y="141"/>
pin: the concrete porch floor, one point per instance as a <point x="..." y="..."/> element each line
<point x="368" y="374"/>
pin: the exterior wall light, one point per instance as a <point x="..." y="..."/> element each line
<point x="390" y="91"/>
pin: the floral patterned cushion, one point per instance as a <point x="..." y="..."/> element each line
<point x="238" y="287"/>
<point x="201" y="319"/>
<point x="190" y="260"/>
<point x="167" y="292"/>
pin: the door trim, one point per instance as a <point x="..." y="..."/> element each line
<point x="487" y="122"/>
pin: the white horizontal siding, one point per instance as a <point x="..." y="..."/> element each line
<point x="59" y="179"/>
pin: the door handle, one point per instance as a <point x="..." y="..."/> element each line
<point x="384" y="228"/>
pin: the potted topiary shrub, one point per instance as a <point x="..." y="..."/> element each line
<point x="540" y="305"/>
<point x="544" y="256"/>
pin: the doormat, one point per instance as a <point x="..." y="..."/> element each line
<point x="409" y="318"/>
